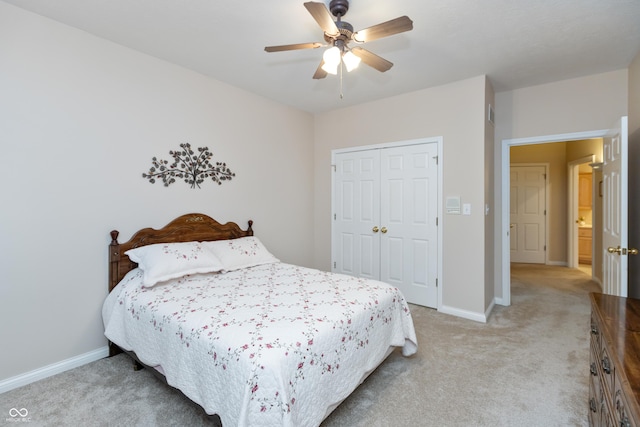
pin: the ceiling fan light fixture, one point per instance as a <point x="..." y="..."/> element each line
<point x="330" y="69"/>
<point x="339" y="33"/>
<point x="331" y="56"/>
<point x="351" y="61"/>
<point x="331" y="59"/>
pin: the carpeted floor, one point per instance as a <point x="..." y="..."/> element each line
<point x="527" y="366"/>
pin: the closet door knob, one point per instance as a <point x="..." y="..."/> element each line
<point x="375" y="229"/>
<point x="383" y="229"/>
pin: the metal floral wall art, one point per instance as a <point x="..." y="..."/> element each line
<point x="191" y="166"/>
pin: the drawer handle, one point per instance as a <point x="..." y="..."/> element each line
<point x="624" y="422"/>
<point x="594" y="330"/>
<point x="594" y="371"/>
<point x="592" y="405"/>
<point x="606" y="365"/>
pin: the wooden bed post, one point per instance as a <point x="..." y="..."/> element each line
<point x="114" y="259"/>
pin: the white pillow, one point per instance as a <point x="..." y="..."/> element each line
<point x="241" y="253"/>
<point x="164" y="261"/>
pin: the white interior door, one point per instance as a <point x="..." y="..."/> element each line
<point x="357" y="213"/>
<point x="614" y="211"/>
<point x="528" y="214"/>
<point x="409" y="239"/>
<point x="385" y="213"/>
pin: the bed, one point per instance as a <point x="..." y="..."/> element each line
<point x="256" y="341"/>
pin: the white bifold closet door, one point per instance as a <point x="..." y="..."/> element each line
<point x="385" y="218"/>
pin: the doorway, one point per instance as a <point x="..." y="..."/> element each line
<point x="582" y="215"/>
<point x="504" y="225"/>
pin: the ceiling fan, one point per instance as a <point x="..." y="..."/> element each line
<point x="339" y="33"/>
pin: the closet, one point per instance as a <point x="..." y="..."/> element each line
<point x="385" y="217"/>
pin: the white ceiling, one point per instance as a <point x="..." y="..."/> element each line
<point x="517" y="43"/>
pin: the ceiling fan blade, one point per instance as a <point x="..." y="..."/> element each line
<point x="320" y="73"/>
<point x="323" y="17"/>
<point x="372" y="60"/>
<point x="389" y="28"/>
<point x="293" y="47"/>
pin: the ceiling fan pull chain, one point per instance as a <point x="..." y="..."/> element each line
<point x="341" y="67"/>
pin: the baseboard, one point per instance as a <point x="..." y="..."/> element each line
<point x="557" y="263"/>
<point x="499" y="301"/>
<point x="489" y="309"/>
<point x="471" y="315"/>
<point x="53" y="369"/>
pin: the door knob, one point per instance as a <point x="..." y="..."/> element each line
<point x="613" y="250"/>
<point x="633" y="251"/>
<point x="383" y="229"/>
<point x="375" y="229"/>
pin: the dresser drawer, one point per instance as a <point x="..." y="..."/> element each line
<point x="595" y="413"/>
<point x="599" y="412"/>
<point x="595" y="331"/>
<point x="621" y="407"/>
<point x="607" y="370"/>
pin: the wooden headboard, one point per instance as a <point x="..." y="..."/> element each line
<point x="186" y="228"/>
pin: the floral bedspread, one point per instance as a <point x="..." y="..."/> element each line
<point x="271" y="345"/>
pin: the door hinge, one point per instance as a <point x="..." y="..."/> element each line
<point x="333" y="167"/>
<point x="436" y="221"/>
<point x="334" y="217"/>
<point x="436" y="159"/>
<point x="545" y="247"/>
<point x="436" y="282"/>
<point x="544" y="175"/>
<point x="334" y="264"/>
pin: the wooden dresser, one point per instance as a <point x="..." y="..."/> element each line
<point x="614" y="389"/>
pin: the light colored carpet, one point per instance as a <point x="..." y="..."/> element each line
<point x="527" y="366"/>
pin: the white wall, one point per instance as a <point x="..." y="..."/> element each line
<point x="583" y="104"/>
<point x="80" y="120"/>
<point x="456" y="112"/>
